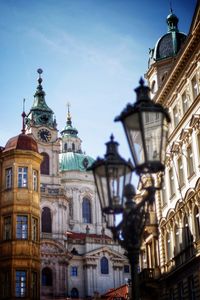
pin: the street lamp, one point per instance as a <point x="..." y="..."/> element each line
<point x="146" y="127"/>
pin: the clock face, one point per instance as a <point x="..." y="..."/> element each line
<point x="44" y="135"/>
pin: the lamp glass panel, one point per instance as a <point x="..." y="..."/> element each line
<point x="152" y="122"/>
<point x="101" y="184"/>
<point x="133" y="132"/>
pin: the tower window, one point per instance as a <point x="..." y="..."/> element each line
<point x="86" y="210"/>
<point x="6" y="284"/>
<point x="21" y="284"/>
<point x="22" y="177"/>
<point x="47" y="277"/>
<point x="104" y="265"/>
<point x="35" y="180"/>
<point x="7" y="228"/>
<point x="65" y="147"/>
<point x="34" y="229"/>
<point x="44" y="168"/>
<point x="22" y="227"/>
<point x="9" y="178"/>
<point x="34" y="282"/>
<point x="46" y="220"/>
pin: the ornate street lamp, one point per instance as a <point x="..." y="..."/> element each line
<point x="111" y="174"/>
<point x="146" y="127"/>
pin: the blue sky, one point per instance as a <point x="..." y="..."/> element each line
<point x="92" y="52"/>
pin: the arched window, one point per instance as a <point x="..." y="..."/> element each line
<point x="73" y="146"/>
<point x="168" y="245"/>
<point x="177" y="239"/>
<point x="74" y="293"/>
<point x="46" y="220"/>
<point x="187" y="235"/>
<point x="65" y="147"/>
<point x="104" y="265"/>
<point x="44" y="168"/>
<point x="86" y="211"/>
<point x="197" y="222"/>
<point x="46" y="277"/>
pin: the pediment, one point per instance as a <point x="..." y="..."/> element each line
<point x="101" y="251"/>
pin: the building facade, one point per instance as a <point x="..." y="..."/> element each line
<point x="78" y="255"/>
<point x="20" y="219"/>
<point x="170" y="253"/>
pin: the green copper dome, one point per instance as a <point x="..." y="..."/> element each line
<point x="71" y="161"/>
<point x="170" y="43"/>
<point x="69" y="130"/>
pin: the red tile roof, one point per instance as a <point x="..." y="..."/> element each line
<point x="120" y="292"/>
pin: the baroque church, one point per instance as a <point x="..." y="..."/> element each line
<point x="54" y="241"/>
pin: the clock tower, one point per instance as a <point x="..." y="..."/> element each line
<point x="41" y="125"/>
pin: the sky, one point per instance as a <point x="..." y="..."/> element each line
<point x="92" y="53"/>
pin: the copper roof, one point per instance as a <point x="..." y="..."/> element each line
<point x="21" y="142"/>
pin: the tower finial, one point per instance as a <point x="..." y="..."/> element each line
<point x="40" y="71"/>
<point x="170" y="6"/>
<point x="23" y="117"/>
<point x="69" y="121"/>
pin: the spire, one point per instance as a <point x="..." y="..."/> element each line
<point x="23" y="118"/>
<point x="69" y="120"/>
<point x="69" y="129"/>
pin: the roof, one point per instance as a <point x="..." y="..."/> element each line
<point x="170" y="43"/>
<point x="71" y="161"/>
<point x="120" y="292"/>
<point x="21" y="142"/>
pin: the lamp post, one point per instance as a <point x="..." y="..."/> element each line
<point x="146" y="127"/>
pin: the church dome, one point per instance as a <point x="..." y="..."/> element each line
<point x="170" y="43"/>
<point x="21" y="142"/>
<point x="72" y="161"/>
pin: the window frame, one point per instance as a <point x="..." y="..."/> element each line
<point x="21" y="283"/>
<point x="86" y="211"/>
<point x="74" y="271"/>
<point x="22" y="177"/>
<point x="190" y="161"/>
<point x="104" y="265"/>
<point x="8" y="178"/>
<point x="22" y="233"/>
<point x="35" y="180"/>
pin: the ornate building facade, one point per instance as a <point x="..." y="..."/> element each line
<point x="79" y="259"/>
<point x="170" y="253"/>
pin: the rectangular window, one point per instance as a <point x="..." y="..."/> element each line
<point x="191" y="288"/>
<point x="22" y="177"/>
<point x="126" y="269"/>
<point x="74" y="271"/>
<point x="34" y="229"/>
<point x="35" y="180"/>
<point x="190" y="164"/>
<point x="7" y="228"/>
<point x="171" y="181"/>
<point x="20" y="284"/>
<point x="6" y="283"/>
<point x="22" y="227"/>
<point x="195" y="87"/>
<point x="180" y="172"/>
<point x="163" y="195"/>
<point x="176" y="116"/>
<point x="34" y="283"/>
<point x="9" y="178"/>
<point x="185" y="102"/>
